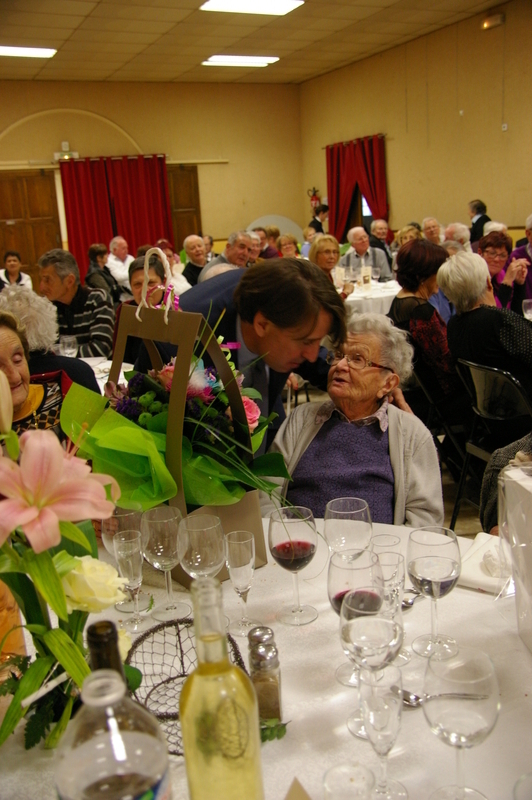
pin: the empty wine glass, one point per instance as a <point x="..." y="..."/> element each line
<point x="385" y="543"/>
<point x="160" y="540"/>
<point x="348" y="782"/>
<point x="433" y="563"/>
<point x="347" y="524"/>
<point x="128" y="552"/>
<point x="124" y="519"/>
<point x="375" y="273"/>
<point x="393" y="573"/>
<point x="292" y="539"/>
<point x="349" y="570"/>
<point x="240" y="560"/>
<point x="461" y="705"/>
<point x="381" y="701"/>
<point x="202" y="545"/>
<point x="68" y="346"/>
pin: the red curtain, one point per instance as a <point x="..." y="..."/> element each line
<point x="359" y="162"/>
<point x="106" y="197"/>
<point x="88" y="215"/>
<point x="140" y="200"/>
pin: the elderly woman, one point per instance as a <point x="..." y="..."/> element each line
<point x="356" y="444"/>
<point x="508" y="280"/>
<point x="34" y="405"/>
<point x="325" y="253"/>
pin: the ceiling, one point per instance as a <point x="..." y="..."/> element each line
<point x="166" y="40"/>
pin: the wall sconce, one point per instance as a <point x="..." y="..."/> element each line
<point x="492" y="21"/>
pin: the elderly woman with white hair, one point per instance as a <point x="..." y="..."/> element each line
<point x="481" y="332"/>
<point x="357" y="444"/>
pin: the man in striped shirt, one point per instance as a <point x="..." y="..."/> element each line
<point x="84" y="313"/>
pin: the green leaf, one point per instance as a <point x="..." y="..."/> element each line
<point x="12" y="445"/>
<point x="64" y="563"/>
<point x="74" y="534"/>
<point x="271" y="465"/>
<point x="41" y="570"/>
<point x="249" y="392"/>
<point x="29" y="683"/>
<point x="24" y="593"/>
<point x="68" y="655"/>
<point x="39" y="630"/>
<point x="53" y="739"/>
<point x="39" y="722"/>
<point x="133" y="677"/>
<point x="8" y="564"/>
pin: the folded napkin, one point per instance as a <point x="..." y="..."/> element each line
<point x="480" y="563"/>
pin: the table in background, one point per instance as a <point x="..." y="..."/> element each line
<point x="378" y="300"/>
<point x="317" y="707"/>
<point x="102" y="367"/>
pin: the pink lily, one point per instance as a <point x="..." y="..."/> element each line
<point x="49" y="486"/>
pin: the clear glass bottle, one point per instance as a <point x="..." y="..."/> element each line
<point x="113" y="749"/>
<point x="218" y="711"/>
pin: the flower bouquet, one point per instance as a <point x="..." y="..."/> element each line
<point x="49" y="564"/>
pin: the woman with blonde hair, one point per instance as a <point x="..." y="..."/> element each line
<point x="325" y="253"/>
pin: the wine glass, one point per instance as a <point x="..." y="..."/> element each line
<point x="292" y="540"/>
<point x="461" y="705"/>
<point x="393" y="573"/>
<point x="347" y="524"/>
<point x="381" y="701"/>
<point x="433" y="563"/>
<point x="128" y="552"/>
<point x="348" y="570"/>
<point x="202" y="545"/>
<point x="385" y="543"/>
<point x="375" y="273"/>
<point x="68" y="346"/>
<point x="240" y="561"/>
<point x="124" y="519"/>
<point x="159" y="528"/>
<point x="348" y="782"/>
<point x="527" y="309"/>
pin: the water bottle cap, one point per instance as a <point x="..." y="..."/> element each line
<point x="103" y="688"/>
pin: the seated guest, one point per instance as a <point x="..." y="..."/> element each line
<point x="432" y="230"/>
<point x="12" y="271"/>
<point x="254" y="256"/>
<point x="208" y="241"/>
<point x="35" y="405"/>
<point x="118" y="264"/>
<point x="358" y="445"/>
<point x="84" y="313"/>
<point x="325" y="252"/>
<point x="481" y="332"/>
<point x="524" y="251"/>
<point x="39" y="318"/>
<point x="266" y="249"/>
<point x="235" y="256"/>
<point x="459" y="233"/>
<point x="98" y="275"/>
<point x="404" y="235"/>
<point x="378" y="235"/>
<point x="418" y="262"/>
<point x="508" y="280"/>
<point x="156" y="277"/>
<point x="173" y="258"/>
<point x="520" y="452"/>
<point x="362" y="255"/>
<point x="287" y="246"/>
<point x="308" y="234"/>
<point x="272" y="234"/>
<point x="195" y="250"/>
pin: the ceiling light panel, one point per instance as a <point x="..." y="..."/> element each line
<point x="276" y="8"/>
<point x="27" y="52"/>
<point x="239" y="61"/>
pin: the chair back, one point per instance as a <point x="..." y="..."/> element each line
<point x="495" y="394"/>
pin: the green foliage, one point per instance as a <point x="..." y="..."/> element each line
<point x="74" y="534"/>
<point x="28" y="684"/>
<point x="133" y="677"/>
<point x="40" y="568"/>
<point x="68" y="654"/>
<point x="271" y="729"/>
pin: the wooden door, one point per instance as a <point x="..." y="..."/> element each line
<point x="184" y="201"/>
<point x="29" y="219"/>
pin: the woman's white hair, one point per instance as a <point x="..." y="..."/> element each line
<point x="463" y="280"/>
<point x="396" y="351"/>
<point x="37" y="314"/>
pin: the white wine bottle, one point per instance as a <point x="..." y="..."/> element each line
<point x="218" y="711"/>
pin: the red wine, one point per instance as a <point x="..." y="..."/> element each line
<point x="293" y="555"/>
<point x="362" y="601"/>
<point x="336" y="601"/>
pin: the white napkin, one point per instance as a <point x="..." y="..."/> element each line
<point x="481" y="556"/>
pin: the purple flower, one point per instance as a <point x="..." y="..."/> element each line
<point x="129" y="408"/>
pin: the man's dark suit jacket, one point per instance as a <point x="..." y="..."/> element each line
<point x="316" y="224"/>
<point x="375" y="242"/>
<point x="210" y="298"/>
<point x="477" y="228"/>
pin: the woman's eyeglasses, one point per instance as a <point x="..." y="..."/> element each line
<point x="355" y="361"/>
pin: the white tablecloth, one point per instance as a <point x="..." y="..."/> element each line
<point x="378" y="299"/>
<point x="317" y="706"/>
<point x="102" y="368"/>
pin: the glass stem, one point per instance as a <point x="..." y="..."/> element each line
<point x="434" y="619"/>
<point x="169" y="589"/>
<point x="137" y="615"/>
<point x="296" y="592"/>
<point x="460" y="774"/>
<point x="382" y="780"/>
<point x="243" y="601"/>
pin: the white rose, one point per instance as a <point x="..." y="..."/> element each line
<point x="124" y="643"/>
<point x="92" y="586"/>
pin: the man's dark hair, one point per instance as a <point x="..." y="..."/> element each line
<point x="290" y="292"/>
<point x="97" y="250"/>
<point x="9" y="253"/>
<point x="62" y="261"/>
<point x="496" y="239"/>
<point x="320" y="209"/>
<point x="478" y="206"/>
<point x="143" y="249"/>
<point x="418" y="260"/>
<point x="211" y="240"/>
<point x="260" y="228"/>
<point x="155" y="263"/>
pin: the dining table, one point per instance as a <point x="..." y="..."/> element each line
<point x="101" y="367"/>
<point x="377" y="298"/>
<point x="315" y="706"/>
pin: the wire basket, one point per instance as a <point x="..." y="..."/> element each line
<point x="166" y="655"/>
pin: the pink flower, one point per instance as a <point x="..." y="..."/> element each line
<point x="49" y="486"/>
<point x="252" y="412"/>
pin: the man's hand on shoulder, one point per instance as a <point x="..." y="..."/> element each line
<point x="398" y="399"/>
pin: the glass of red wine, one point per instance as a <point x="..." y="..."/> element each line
<point x="292" y="540"/>
<point x="349" y="570"/>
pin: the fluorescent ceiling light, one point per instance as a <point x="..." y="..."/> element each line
<point x="27" y="52"/>
<point x="240" y="61"/>
<point x="272" y="7"/>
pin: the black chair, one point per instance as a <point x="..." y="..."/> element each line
<point x="503" y="413"/>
